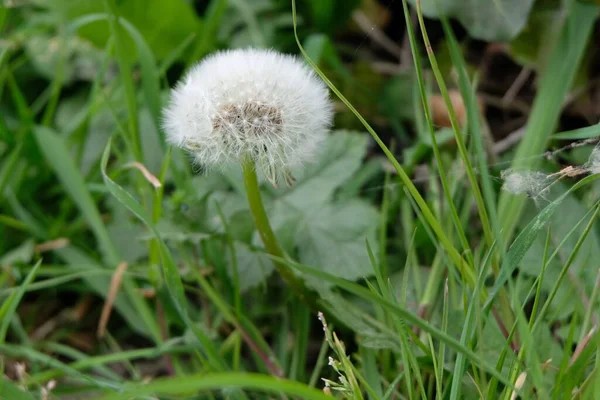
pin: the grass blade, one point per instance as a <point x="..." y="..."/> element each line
<point x="9" y="307"/>
<point x="198" y="383"/>
<point x="133" y="138"/>
<point x="469" y="327"/>
<point x="432" y="134"/>
<point x="397" y="310"/>
<point x="589" y="132"/>
<point x="462" y="148"/>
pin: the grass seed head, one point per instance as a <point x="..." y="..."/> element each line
<point x="250" y="103"/>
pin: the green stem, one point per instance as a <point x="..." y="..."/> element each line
<point x="266" y="233"/>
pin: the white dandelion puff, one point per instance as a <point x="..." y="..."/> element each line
<point x="250" y="103"/>
<point x="593" y="164"/>
<point x="530" y="183"/>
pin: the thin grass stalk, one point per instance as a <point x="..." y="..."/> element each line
<point x="126" y="77"/>
<point x="485" y="222"/>
<point x="436" y="151"/>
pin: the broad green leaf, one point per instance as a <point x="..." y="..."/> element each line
<point x="484" y="19"/>
<point x="254" y="267"/>
<point x="334" y="236"/>
<point x="306" y="217"/>
<point x="340" y="157"/>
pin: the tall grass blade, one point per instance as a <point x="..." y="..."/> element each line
<point x="186" y="385"/>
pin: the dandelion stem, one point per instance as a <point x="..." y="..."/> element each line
<point x="266" y="233"/>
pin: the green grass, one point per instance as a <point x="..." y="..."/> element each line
<point x="445" y="287"/>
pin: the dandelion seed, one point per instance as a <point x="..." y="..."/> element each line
<point x="593" y="164"/>
<point x="250" y="103"/>
<point x="531" y="183"/>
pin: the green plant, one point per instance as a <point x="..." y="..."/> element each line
<point x="477" y="278"/>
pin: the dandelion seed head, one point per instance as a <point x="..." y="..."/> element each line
<point x="256" y="103"/>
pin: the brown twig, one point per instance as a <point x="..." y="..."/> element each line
<point x="52" y="245"/>
<point x="582" y="344"/>
<point x="115" y="283"/>
<point x="149" y="177"/>
<point x="516" y="86"/>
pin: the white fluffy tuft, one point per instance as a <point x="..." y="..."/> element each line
<point x="593" y="163"/>
<point x="256" y="103"/>
<point x="530" y="183"/>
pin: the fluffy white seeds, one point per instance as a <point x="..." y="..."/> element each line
<point x="593" y="163"/>
<point x="250" y="103"/>
<point x="530" y="183"/>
